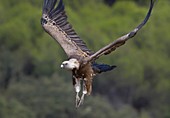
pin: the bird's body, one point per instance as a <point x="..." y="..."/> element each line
<point x="81" y="60"/>
<point x="85" y="73"/>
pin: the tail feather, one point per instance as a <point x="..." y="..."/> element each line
<point x="99" y="68"/>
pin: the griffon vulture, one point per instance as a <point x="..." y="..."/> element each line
<point x="81" y="60"/>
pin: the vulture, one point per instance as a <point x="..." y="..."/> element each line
<point x="81" y="60"/>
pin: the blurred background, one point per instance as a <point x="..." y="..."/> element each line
<point x="32" y="85"/>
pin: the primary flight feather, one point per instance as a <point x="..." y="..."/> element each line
<point x="81" y="60"/>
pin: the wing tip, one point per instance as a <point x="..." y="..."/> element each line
<point x="50" y="6"/>
<point x="152" y="2"/>
<point x="50" y="10"/>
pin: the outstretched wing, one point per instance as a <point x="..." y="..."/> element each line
<point x="120" y="41"/>
<point x="54" y="22"/>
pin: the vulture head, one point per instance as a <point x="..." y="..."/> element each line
<point x="70" y="64"/>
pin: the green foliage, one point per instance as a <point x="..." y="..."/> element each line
<point x="11" y="108"/>
<point x="38" y="88"/>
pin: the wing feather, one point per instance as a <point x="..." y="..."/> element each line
<point x="121" y="40"/>
<point x="54" y="22"/>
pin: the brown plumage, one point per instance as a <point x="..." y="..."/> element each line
<point x="81" y="60"/>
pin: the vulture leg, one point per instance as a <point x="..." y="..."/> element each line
<point x="77" y="87"/>
<point x="84" y="93"/>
